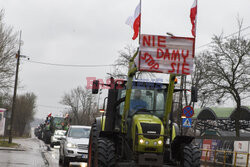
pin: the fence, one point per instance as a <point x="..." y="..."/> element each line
<point x="221" y="157"/>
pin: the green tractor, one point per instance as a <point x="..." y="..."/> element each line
<point x="138" y="132"/>
<point x="52" y="124"/>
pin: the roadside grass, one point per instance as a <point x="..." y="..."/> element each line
<point x="7" y="144"/>
<point x="14" y="137"/>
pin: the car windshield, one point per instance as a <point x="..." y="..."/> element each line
<point x="79" y="132"/>
<point x="150" y="99"/>
<point x="60" y="132"/>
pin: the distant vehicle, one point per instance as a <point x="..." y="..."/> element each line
<point x="40" y="131"/>
<point x="36" y="131"/>
<point x="57" y="137"/>
<point x="52" y="124"/>
<point x="74" y="148"/>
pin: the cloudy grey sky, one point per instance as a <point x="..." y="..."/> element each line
<point x="93" y="31"/>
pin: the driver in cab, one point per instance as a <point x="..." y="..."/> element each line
<point x="137" y="103"/>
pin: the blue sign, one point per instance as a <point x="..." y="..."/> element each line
<point x="188" y="111"/>
<point x="187" y="122"/>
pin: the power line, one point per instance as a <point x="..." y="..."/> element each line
<point x="109" y="65"/>
<point x="226" y="36"/>
<point x="55" y="107"/>
<point x="69" y="65"/>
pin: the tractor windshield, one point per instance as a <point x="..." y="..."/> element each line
<point x="151" y="100"/>
<point x="57" y="121"/>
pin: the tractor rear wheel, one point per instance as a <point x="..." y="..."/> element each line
<point x="105" y="153"/>
<point x="191" y="156"/>
<point x="196" y="156"/>
<point x="92" y="145"/>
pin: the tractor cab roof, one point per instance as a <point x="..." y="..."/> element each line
<point x="143" y="85"/>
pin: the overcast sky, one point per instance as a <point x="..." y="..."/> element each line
<point x="93" y="31"/>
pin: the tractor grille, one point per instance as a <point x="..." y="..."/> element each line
<point x="82" y="146"/>
<point x="151" y="131"/>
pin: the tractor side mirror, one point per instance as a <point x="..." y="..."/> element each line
<point x="95" y="87"/>
<point x="194" y="94"/>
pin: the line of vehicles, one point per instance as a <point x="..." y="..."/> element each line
<point x="134" y="130"/>
<point x="72" y="139"/>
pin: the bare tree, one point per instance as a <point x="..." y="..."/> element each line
<point x="26" y="105"/>
<point x="227" y="69"/>
<point x="82" y="103"/>
<point x="8" y="41"/>
<point x="122" y="64"/>
<point x="199" y="81"/>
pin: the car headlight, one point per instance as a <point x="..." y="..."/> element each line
<point x="141" y="141"/>
<point x="71" y="145"/>
<point x="160" y="142"/>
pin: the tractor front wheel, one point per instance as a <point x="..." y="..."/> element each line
<point x="105" y="153"/>
<point x="92" y="145"/>
<point x="190" y="156"/>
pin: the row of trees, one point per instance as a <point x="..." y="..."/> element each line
<point x="24" y="115"/>
<point x="26" y="103"/>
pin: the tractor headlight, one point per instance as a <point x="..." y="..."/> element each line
<point x="155" y="143"/>
<point x="146" y="142"/>
<point x="160" y="142"/>
<point x="71" y="145"/>
<point x="141" y="141"/>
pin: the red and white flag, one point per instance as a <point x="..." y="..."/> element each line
<point x="193" y="17"/>
<point x="135" y="21"/>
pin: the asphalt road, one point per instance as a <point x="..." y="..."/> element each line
<point x="33" y="153"/>
<point x="30" y="155"/>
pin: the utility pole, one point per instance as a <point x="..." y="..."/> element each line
<point x="15" y="90"/>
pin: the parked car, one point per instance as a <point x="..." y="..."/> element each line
<point x="57" y="137"/>
<point x="74" y="148"/>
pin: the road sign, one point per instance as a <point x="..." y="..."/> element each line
<point x="187" y="122"/>
<point x="188" y="111"/>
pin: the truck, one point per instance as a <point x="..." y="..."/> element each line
<point x="142" y="137"/>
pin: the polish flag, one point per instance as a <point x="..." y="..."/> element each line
<point x="193" y="17"/>
<point x="134" y="21"/>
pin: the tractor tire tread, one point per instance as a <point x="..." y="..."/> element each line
<point x="106" y="153"/>
<point x="191" y="156"/>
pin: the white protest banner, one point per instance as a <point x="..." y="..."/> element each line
<point x="166" y="54"/>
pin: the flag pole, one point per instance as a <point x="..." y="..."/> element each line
<point x="139" y="62"/>
<point x="195" y="29"/>
<point x="140" y="25"/>
<point x="196" y="17"/>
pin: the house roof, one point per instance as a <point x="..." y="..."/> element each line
<point x="213" y="113"/>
